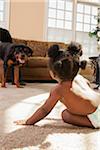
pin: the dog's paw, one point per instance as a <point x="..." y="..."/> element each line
<point x="19" y="86"/>
<point x="3" y="86"/>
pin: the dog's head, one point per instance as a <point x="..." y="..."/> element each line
<point x="21" y="53"/>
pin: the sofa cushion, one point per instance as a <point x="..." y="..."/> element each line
<point x="37" y="62"/>
<point x="39" y="48"/>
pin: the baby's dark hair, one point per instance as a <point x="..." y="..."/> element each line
<point x="75" y="48"/>
<point x="63" y="63"/>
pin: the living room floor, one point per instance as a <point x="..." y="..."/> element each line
<point x="48" y="134"/>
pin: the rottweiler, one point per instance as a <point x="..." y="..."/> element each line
<point x="12" y="54"/>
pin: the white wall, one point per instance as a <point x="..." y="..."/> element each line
<point x="27" y="19"/>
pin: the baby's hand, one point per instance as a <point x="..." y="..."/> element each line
<point x="21" y="122"/>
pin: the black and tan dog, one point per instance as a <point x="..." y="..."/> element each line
<point x="12" y="54"/>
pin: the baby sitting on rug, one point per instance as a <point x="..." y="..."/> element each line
<point x="74" y="91"/>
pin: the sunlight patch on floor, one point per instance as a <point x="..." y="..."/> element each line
<point x="72" y="141"/>
<point x="23" y="109"/>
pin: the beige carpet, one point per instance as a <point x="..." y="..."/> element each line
<point x="50" y="133"/>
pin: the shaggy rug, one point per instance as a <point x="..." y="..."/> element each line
<point x="48" y="134"/>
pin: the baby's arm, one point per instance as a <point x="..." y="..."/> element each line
<point x="43" y="111"/>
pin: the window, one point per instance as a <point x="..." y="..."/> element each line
<point x="60" y="20"/>
<point x="1" y="10"/>
<point x="68" y="17"/>
<point x="86" y="22"/>
<point x="85" y="17"/>
<point x="4" y="13"/>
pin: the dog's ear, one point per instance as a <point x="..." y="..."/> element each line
<point x="28" y="51"/>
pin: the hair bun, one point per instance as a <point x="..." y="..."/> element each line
<point x="53" y="51"/>
<point x="75" y="48"/>
<point x="83" y="64"/>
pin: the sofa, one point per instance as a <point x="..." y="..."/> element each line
<point x="36" y="69"/>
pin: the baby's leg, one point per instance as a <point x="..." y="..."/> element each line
<point x="77" y="120"/>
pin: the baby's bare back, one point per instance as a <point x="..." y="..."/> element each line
<point x="80" y="98"/>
